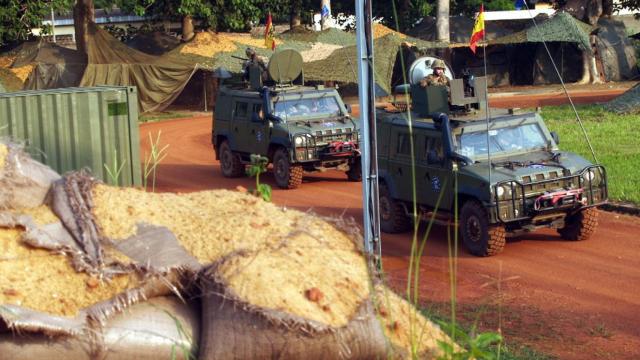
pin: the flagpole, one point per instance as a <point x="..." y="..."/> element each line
<point x="486" y="92"/>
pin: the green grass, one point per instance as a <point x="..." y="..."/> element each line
<point x="614" y="139"/>
<point x="163" y="115"/>
<point x="506" y="351"/>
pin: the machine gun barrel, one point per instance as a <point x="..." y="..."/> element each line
<point x="239" y="57"/>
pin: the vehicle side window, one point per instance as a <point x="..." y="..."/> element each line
<point x="403" y="145"/>
<point x="257" y="108"/>
<point x="241" y="110"/>
<point x="433" y="145"/>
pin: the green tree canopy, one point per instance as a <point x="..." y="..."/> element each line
<point x="18" y="17"/>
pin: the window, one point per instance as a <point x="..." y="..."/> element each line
<point x="257" y="108"/>
<point x="404" y="144"/>
<point x="241" y="109"/>
<point x="433" y="144"/>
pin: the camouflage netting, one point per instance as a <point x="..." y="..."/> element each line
<point x="627" y="103"/>
<point x="616" y="51"/>
<point x="154" y="43"/>
<point x="460" y="29"/>
<point x="560" y="28"/>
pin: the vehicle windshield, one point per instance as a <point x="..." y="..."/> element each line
<point x="306" y="108"/>
<point x="504" y="140"/>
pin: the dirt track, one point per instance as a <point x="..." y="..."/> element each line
<point x="575" y="300"/>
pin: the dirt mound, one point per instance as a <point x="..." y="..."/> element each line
<point x="380" y="30"/>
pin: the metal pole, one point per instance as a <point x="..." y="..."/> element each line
<point x="53" y="25"/>
<point x="368" y="143"/>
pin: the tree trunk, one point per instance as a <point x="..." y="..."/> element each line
<point x="593" y="68"/>
<point x="442" y="21"/>
<point x="586" y="72"/>
<point x="187" y="28"/>
<point x="607" y="8"/>
<point x="83" y="14"/>
<point x="295" y="18"/>
<point x="325" y="21"/>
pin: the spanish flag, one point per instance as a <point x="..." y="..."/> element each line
<point x="269" y="41"/>
<point x="478" y="30"/>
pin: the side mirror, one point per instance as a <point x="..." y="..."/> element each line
<point x="555" y="137"/>
<point x="433" y="158"/>
<point x="348" y="106"/>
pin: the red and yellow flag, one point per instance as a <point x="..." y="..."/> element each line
<point x="478" y="30"/>
<point x="269" y="40"/>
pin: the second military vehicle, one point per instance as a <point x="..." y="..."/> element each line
<point x="299" y="128"/>
<point x="511" y="175"/>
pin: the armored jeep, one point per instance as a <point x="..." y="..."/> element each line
<point x="507" y="175"/>
<point x="299" y="128"/>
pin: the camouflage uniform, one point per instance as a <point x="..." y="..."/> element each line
<point x="254" y="60"/>
<point x="434" y="80"/>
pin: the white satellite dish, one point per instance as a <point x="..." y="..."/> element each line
<point x="422" y="67"/>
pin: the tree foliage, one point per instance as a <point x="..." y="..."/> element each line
<point x="18" y="17"/>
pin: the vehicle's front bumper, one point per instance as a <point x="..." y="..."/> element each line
<point x="572" y="192"/>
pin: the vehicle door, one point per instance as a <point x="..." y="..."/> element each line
<point x="240" y="125"/>
<point x="399" y="165"/>
<point x="434" y="172"/>
<point x="258" y="130"/>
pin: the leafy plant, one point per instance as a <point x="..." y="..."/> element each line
<point x="152" y="160"/>
<point x="472" y="346"/>
<point x="115" y="170"/>
<point x="258" y="166"/>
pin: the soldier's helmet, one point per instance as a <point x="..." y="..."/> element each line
<point x="250" y="52"/>
<point x="438" y="64"/>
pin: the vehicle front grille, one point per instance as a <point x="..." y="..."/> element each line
<point x="544" y="182"/>
<point x="329" y="135"/>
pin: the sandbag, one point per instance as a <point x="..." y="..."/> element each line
<point x="24" y="182"/>
<point x="233" y="329"/>
<point x="161" y="328"/>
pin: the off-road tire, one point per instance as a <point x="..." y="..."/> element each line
<point x="355" y="171"/>
<point x="287" y="175"/>
<point x="230" y="164"/>
<point x="478" y="236"/>
<point x="580" y="226"/>
<point x="393" y="218"/>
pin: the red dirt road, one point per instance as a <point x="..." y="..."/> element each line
<point x="574" y="300"/>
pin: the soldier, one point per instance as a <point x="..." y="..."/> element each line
<point x="438" y="78"/>
<point x="253" y="59"/>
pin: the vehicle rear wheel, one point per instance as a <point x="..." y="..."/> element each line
<point x="355" y="171"/>
<point x="393" y="218"/>
<point x="288" y="176"/>
<point x="478" y="236"/>
<point x="229" y="161"/>
<point x="580" y="226"/>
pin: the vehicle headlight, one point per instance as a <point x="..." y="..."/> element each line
<point x="500" y="191"/>
<point x="299" y="140"/>
<point x="589" y="175"/>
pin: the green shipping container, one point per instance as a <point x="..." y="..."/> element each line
<point x="75" y="128"/>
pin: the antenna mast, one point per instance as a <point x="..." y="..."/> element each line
<point x="368" y="143"/>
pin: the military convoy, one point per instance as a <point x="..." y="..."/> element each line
<point x="503" y="176"/>
<point x="507" y="175"/>
<point x="298" y="128"/>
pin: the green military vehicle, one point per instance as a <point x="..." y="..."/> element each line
<point x="529" y="183"/>
<point x="299" y="128"/>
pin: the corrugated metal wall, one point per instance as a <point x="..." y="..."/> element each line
<point x="72" y="128"/>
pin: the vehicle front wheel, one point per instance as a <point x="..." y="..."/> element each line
<point x="580" y="226"/>
<point x="229" y="162"/>
<point x="478" y="237"/>
<point x="393" y="218"/>
<point x="355" y="171"/>
<point x="288" y="176"/>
